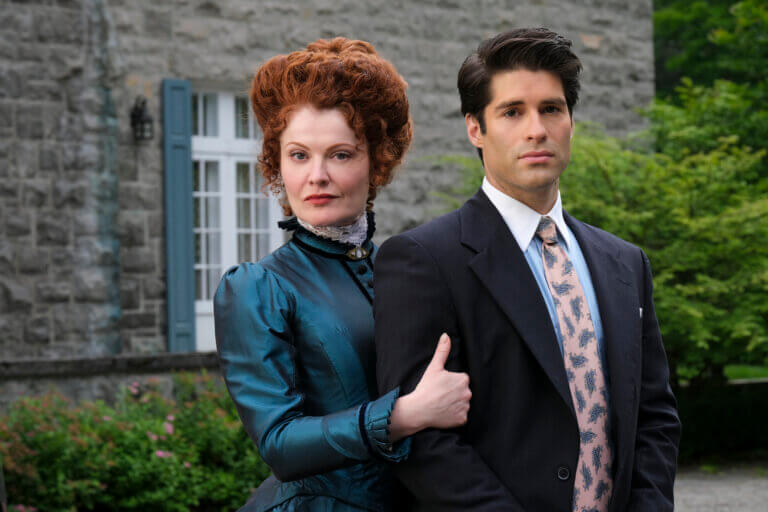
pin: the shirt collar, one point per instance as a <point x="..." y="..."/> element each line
<point x="523" y="220"/>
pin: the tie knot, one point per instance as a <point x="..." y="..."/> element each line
<point x="547" y="231"/>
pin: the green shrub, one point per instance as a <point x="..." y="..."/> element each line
<point x="189" y="453"/>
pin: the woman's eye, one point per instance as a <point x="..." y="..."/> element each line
<point x="298" y="155"/>
<point x="342" y="155"/>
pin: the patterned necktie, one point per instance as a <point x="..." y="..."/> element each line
<point x="593" y="483"/>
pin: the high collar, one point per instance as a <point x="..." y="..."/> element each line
<point x="326" y="245"/>
<point x="523" y="220"/>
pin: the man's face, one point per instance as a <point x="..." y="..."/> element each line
<point x="527" y="140"/>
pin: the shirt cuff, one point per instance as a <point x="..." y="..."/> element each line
<point x="376" y="420"/>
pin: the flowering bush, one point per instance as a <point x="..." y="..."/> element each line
<point x="189" y="453"/>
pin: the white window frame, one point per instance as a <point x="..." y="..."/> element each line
<point x="228" y="151"/>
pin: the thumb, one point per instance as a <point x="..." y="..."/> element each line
<point x="441" y="353"/>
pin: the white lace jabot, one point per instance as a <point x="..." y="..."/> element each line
<point x="353" y="234"/>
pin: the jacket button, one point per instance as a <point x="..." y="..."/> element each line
<point x="563" y="473"/>
<point x="361" y="269"/>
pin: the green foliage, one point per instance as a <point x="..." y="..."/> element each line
<point x="146" y="453"/>
<point x="701" y="215"/>
<point x="708" y="41"/>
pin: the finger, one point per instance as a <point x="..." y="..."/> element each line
<point x="441" y="352"/>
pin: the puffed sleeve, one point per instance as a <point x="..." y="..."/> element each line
<point x="253" y="314"/>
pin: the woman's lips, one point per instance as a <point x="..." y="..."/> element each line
<point x="536" y="157"/>
<point x="319" y="199"/>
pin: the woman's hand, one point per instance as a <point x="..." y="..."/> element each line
<point x="440" y="400"/>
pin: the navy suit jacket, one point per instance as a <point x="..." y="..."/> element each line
<point x="464" y="274"/>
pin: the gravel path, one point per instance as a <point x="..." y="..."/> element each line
<point x="728" y="489"/>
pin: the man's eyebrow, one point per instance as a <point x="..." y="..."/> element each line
<point x="514" y="103"/>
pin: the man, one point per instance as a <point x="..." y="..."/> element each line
<point x="553" y="319"/>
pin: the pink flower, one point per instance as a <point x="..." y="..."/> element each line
<point x="162" y="454"/>
<point x="168" y="428"/>
<point x="169" y="417"/>
<point x="106" y="418"/>
<point x="187" y="465"/>
<point x="151" y="436"/>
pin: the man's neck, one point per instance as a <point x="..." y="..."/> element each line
<point x="541" y="200"/>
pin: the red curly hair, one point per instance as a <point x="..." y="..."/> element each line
<point x="343" y="74"/>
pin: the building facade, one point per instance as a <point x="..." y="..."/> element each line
<point x="109" y="246"/>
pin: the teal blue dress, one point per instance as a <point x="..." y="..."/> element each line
<point x="295" y="339"/>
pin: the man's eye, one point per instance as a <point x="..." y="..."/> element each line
<point x="551" y="109"/>
<point x="511" y="113"/>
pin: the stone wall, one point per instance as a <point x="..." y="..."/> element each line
<point x="82" y="264"/>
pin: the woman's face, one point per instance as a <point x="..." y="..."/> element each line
<point x="324" y="166"/>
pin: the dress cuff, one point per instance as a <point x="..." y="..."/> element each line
<point x="376" y="429"/>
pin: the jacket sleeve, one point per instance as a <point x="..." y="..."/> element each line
<point x="658" y="424"/>
<point x="412" y="307"/>
<point x="253" y="315"/>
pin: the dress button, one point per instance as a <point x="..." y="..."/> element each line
<point x="563" y="473"/>
<point x="370" y="283"/>
<point x="362" y="269"/>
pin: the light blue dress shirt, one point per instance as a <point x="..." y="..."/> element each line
<point x="522" y="221"/>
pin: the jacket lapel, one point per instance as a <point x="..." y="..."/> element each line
<point x="620" y="316"/>
<point x="502" y="268"/>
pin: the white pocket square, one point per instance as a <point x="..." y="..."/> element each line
<point x="641" y="312"/>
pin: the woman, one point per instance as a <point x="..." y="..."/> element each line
<point x="295" y="331"/>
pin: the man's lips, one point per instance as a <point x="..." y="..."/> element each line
<point x="536" y="157"/>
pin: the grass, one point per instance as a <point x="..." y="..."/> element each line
<point x="742" y="371"/>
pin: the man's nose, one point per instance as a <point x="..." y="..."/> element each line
<point x="535" y="130"/>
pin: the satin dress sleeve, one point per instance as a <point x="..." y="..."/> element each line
<point x="255" y="322"/>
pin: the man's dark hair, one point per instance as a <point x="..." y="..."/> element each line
<point x="535" y="49"/>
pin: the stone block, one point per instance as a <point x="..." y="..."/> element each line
<point x="137" y="259"/>
<point x="96" y="251"/>
<point x="103" y="318"/>
<point x="60" y="27"/>
<point x="91" y="285"/>
<point x="6" y="258"/>
<point x="51" y="291"/>
<point x="154" y="288"/>
<point x="68" y="193"/>
<point x="9" y="189"/>
<point x="18" y="224"/>
<point x="35" y="193"/>
<point x="157" y="24"/>
<point x="70" y="322"/>
<point x="53" y="229"/>
<point x="138" y="320"/>
<point x="145" y="345"/>
<point x="129" y="294"/>
<point x="12" y="327"/>
<point x="14" y="296"/>
<point x="6" y="118"/>
<point x="29" y="121"/>
<point x="31" y="260"/>
<point x="86" y="222"/>
<point x="37" y="330"/>
<point x="139" y="197"/>
<point x="131" y="229"/>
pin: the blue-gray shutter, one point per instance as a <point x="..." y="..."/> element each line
<point x="180" y="263"/>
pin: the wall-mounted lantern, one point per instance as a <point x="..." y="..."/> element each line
<point x="141" y="121"/>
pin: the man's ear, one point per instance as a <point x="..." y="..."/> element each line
<point x="474" y="133"/>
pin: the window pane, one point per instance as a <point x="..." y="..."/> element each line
<point x="263" y="214"/>
<point x="241" y="118"/>
<point x="198" y="284"/>
<point x="212" y="176"/>
<point x="212" y="217"/>
<point x="244" y="213"/>
<point x="198" y="256"/>
<point x="262" y="245"/>
<point x="213" y="247"/>
<point x="244" y="247"/>
<point x="196" y="175"/>
<point x="195" y="109"/>
<point x="214" y="275"/>
<point x="196" y="211"/>
<point x="243" y="178"/>
<point x="210" y="115"/>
